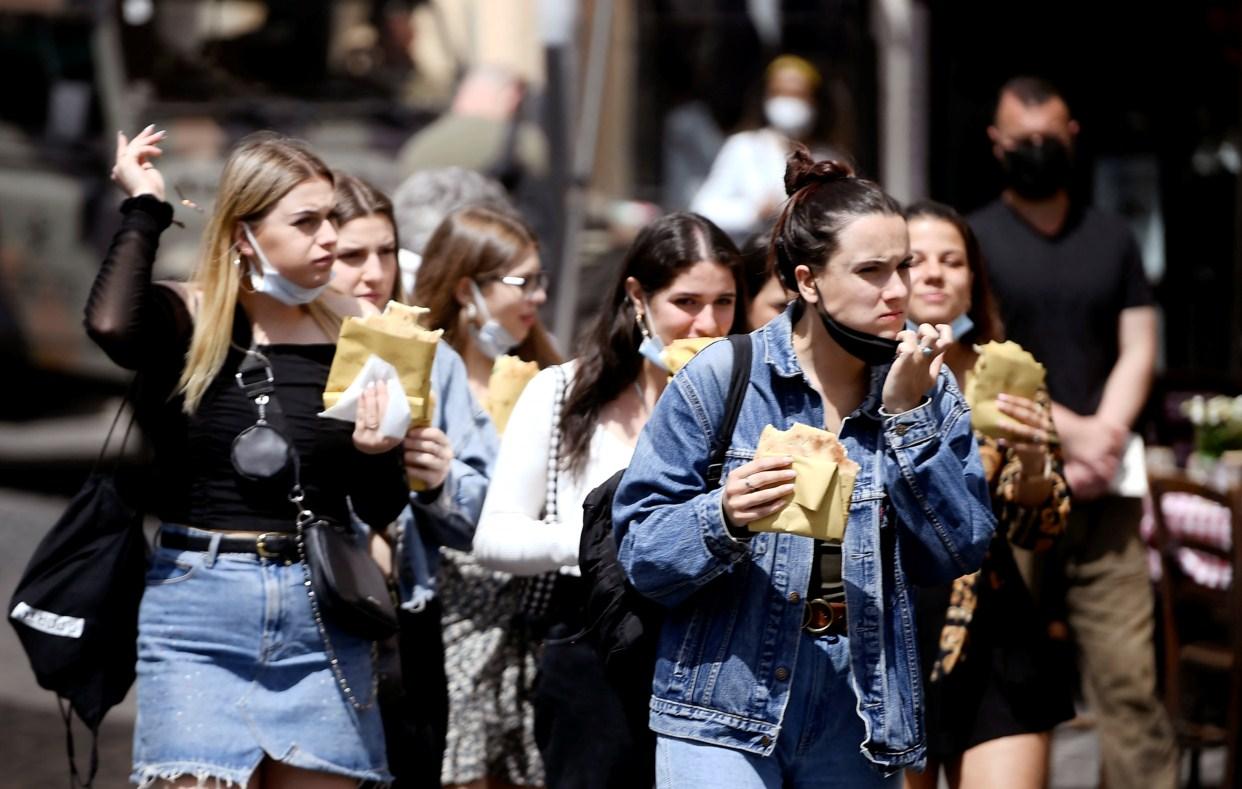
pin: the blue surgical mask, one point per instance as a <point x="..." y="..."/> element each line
<point x="491" y="338"/>
<point x="652" y="347"/>
<point x="272" y="283"/>
<point x="961" y="326"/>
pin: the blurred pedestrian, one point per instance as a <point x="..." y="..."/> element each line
<point x="1071" y="289"/>
<point x="744" y="189"/>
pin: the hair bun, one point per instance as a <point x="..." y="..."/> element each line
<point x="802" y="171"/>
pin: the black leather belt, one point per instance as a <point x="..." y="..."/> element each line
<point x="274" y="546"/>
<point x="824" y="617"/>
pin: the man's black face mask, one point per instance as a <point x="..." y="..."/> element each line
<point x="1038" y="171"/>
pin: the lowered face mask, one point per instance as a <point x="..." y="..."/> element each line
<point x="271" y="282"/>
<point x="491" y="338"/>
<point x="870" y="348"/>
<point x="961" y="326"/>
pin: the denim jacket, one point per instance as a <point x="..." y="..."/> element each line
<point x="920" y="514"/>
<point x="447" y="516"/>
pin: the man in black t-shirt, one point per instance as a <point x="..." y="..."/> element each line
<point x="1072" y="291"/>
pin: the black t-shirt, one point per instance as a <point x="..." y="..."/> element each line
<point x="1060" y="296"/>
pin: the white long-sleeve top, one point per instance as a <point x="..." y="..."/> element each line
<point x="747" y="178"/>
<point x="512" y="535"/>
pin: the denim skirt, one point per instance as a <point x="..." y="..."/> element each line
<point x="232" y="668"/>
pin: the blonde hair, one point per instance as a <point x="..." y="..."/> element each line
<point x="263" y="168"/>
<point x="795" y="63"/>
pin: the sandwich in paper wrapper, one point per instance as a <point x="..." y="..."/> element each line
<point x="1002" y="368"/>
<point x="820" y="506"/>
<point x="397" y="338"/>
<point x="678" y="352"/>
<point x="510" y="375"/>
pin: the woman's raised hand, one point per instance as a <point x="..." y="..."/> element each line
<point x="914" y="371"/>
<point x="134" y="170"/>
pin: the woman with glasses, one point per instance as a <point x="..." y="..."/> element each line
<point x="681" y="279"/>
<point x="482" y="281"/>
<point x="238" y="683"/>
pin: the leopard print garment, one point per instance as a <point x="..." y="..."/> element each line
<point x="1034" y="528"/>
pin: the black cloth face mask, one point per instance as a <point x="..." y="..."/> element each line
<point x="1038" y="171"/>
<point x="870" y="348"/>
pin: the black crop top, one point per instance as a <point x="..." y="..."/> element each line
<point x="146" y="327"/>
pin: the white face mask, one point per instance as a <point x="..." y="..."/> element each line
<point x="652" y="347"/>
<point x="491" y="338"/>
<point x="272" y="283"/>
<point x="788" y="115"/>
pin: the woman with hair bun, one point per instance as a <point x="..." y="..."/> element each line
<point x="787" y="661"/>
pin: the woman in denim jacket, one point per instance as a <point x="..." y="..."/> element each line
<point x="754" y="686"/>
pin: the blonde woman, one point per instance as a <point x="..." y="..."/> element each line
<point x="239" y="680"/>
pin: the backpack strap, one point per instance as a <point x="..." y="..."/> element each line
<point x="743" y="353"/>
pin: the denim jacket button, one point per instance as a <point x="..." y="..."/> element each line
<point x="902" y="429"/>
<point x="795" y="598"/>
<point x="765" y="741"/>
<point x="782" y="673"/>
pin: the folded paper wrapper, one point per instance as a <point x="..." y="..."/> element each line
<point x="677" y="353"/>
<point x="396" y="338"/>
<point x="820" y="506"/>
<point x="510" y="375"/>
<point x="1002" y="368"/>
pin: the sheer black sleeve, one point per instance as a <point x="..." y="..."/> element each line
<point x="139" y="324"/>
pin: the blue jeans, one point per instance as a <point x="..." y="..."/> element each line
<point x="817" y="748"/>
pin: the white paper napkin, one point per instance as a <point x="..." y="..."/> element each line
<point x="395" y="421"/>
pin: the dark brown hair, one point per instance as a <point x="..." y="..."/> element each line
<point x="476" y="243"/>
<point x="355" y="198"/>
<point x="824" y="197"/>
<point x="983" y="309"/>
<point x="608" y="358"/>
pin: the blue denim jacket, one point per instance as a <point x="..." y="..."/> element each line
<point x="448" y="516"/>
<point x="920" y="514"/>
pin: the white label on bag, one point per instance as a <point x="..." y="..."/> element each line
<point x="47" y="622"/>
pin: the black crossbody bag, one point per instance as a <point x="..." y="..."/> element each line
<point x="345" y="585"/>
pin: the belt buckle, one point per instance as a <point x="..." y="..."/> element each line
<point x="818" y="604"/>
<point x="260" y="547"/>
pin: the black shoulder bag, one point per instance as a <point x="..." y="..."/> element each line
<point x="346" y="586"/>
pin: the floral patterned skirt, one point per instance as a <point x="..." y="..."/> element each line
<point x="491" y="671"/>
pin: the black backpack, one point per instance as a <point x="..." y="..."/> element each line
<point x="75" y="608"/>
<point x="622" y="625"/>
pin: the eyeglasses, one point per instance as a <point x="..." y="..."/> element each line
<point x="530" y="285"/>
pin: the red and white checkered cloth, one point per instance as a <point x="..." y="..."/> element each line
<point x="1188" y="514"/>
